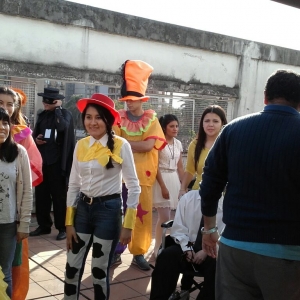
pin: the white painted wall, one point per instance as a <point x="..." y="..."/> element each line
<point x="36" y="41"/>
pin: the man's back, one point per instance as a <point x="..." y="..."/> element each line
<point x="263" y="170"/>
<point x="257" y="156"/>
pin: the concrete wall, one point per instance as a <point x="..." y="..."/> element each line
<point x="68" y="41"/>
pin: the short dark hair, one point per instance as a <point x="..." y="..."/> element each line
<point x="283" y="84"/>
<point x="166" y="119"/>
<point x="9" y="149"/>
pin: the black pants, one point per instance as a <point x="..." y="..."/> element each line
<point x="170" y="263"/>
<point x="51" y="190"/>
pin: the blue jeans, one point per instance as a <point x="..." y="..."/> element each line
<point x="98" y="224"/>
<point x="8" y="243"/>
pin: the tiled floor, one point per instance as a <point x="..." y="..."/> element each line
<point x="47" y="264"/>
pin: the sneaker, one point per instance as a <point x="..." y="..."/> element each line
<point x="61" y="235"/>
<point x="116" y="260"/>
<point x="141" y="262"/>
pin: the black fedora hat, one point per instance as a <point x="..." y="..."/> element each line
<point x="51" y="94"/>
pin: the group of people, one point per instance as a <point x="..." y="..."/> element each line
<point x="24" y="165"/>
<point x="103" y="190"/>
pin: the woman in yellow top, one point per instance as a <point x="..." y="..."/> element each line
<point x="212" y="120"/>
<point x="100" y="162"/>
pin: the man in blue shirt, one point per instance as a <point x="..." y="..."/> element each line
<point x="257" y="158"/>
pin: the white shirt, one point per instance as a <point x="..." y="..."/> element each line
<point x="188" y="217"/>
<point x="94" y="180"/>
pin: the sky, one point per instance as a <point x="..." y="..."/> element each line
<point x="263" y="21"/>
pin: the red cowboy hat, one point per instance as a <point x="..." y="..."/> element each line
<point x="100" y="100"/>
<point x="135" y="80"/>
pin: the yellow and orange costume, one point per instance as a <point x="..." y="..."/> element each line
<point x="146" y="164"/>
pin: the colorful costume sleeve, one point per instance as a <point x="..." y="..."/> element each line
<point x="22" y="136"/>
<point x="132" y="184"/>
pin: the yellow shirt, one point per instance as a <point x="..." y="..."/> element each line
<point x="190" y="164"/>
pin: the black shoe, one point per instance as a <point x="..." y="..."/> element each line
<point x="40" y="231"/>
<point x="61" y="235"/>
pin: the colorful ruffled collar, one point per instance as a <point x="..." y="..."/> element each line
<point x="139" y="127"/>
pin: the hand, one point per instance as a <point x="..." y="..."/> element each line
<point x="125" y="236"/>
<point x="57" y="103"/>
<point x="39" y="140"/>
<point x="181" y="193"/>
<point x="209" y="244"/>
<point x="189" y="255"/>
<point x="71" y="234"/>
<point x="21" y="236"/>
<point x="165" y="193"/>
<point x="199" y="257"/>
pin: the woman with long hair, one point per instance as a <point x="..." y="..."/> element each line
<point x="12" y="100"/>
<point x="170" y="172"/>
<point x="212" y="120"/>
<point x="100" y="162"/>
<point x="15" y="196"/>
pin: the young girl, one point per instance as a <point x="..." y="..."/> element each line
<point x="100" y="163"/>
<point x="12" y="100"/>
<point x="212" y="120"/>
<point x="170" y="172"/>
<point x="15" y="196"/>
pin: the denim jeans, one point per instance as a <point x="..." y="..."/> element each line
<point x="7" y="251"/>
<point x="98" y="224"/>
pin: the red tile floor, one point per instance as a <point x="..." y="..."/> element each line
<point x="47" y="264"/>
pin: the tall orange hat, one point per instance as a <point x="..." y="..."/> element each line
<point x="22" y="95"/>
<point x="135" y="75"/>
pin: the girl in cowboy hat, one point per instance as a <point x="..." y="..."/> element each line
<point x="100" y="162"/>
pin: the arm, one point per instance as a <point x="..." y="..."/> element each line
<point x="164" y="190"/>
<point x="180" y="230"/>
<point x="132" y="184"/>
<point x="186" y="179"/>
<point x="63" y="118"/>
<point x="180" y="170"/>
<point x="35" y="159"/>
<point x="214" y="179"/>
<point x="142" y="146"/>
<point x="73" y="190"/>
<point x="190" y="170"/>
<point x="27" y="199"/>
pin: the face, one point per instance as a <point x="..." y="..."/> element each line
<point x="7" y="102"/>
<point x="212" y="124"/>
<point x="93" y="124"/>
<point x="134" y="105"/>
<point x="4" y="131"/>
<point x="171" y="129"/>
<point x="48" y="106"/>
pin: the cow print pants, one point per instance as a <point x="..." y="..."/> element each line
<point x="97" y="225"/>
